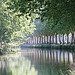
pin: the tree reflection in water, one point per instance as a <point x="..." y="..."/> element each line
<point x="16" y="66"/>
<point x="51" y="62"/>
<point x="38" y="62"/>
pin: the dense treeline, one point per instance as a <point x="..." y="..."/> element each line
<point x="17" y="19"/>
<point x="57" y="15"/>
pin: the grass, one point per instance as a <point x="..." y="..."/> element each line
<point x="52" y="46"/>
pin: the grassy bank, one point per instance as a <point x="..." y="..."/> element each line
<point x="52" y="46"/>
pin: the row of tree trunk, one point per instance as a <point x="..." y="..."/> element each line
<point x="54" y="39"/>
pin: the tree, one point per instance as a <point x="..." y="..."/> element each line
<point x="14" y="29"/>
<point x="61" y="11"/>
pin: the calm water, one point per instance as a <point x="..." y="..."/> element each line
<point x="38" y="62"/>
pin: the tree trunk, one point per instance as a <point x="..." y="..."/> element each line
<point x="53" y="38"/>
<point x="56" y="38"/>
<point x="40" y="39"/>
<point x="44" y="39"/>
<point x="33" y="39"/>
<point x="29" y="41"/>
<point x="63" y="38"/>
<point x="0" y="49"/>
<point x="47" y="39"/>
<point x="59" y="39"/>
<point x="37" y="39"/>
<point x="67" y="38"/>
<point x="50" y="39"/>
<point x="73" y="38"/>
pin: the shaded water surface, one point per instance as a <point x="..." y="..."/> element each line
<point x="38" y="62"/>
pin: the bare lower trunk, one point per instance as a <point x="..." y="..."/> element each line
<point x="32" y="40"/>
<point x="53" y="39"/>
<point x="37" y="40"/>
<point x="73" y="38"/>
<point x="59" y="39"/>
<point x="63" y="38"/>
<point x="0" y="46"/>
<point x="56" y="38"/>
<point x="47" y="39"/>
<point x="50" y="39"/>
<point x="27" y="42"/>
<point x="40" y="39"/>
<point x="67" y="38"/>
<point x="44" y="39"/>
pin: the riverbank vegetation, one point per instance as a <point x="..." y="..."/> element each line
<point x="51" y="46"/>
<point x="19" y="20"/>
<point x="14" y="30"/>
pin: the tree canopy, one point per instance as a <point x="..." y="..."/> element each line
<point x="17" y="18"/>
<point x="14" y="29"/>
<point x="61" y="11"/>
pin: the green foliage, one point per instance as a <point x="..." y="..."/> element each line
<point x="58" y="15"/>
<point x="17" y="19"/>
<point x="62" y="13"/>
<point x="14" y="29"/>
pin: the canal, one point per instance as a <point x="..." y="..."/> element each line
<point x="38" y="62"/>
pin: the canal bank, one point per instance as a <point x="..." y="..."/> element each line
<point x="52" y="46"/>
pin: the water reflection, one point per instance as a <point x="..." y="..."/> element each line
<point x="16" y="66"/>
<point x="38" y="62"/>
<point x="51" y="62"/>
<point x="55" y="56"/>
